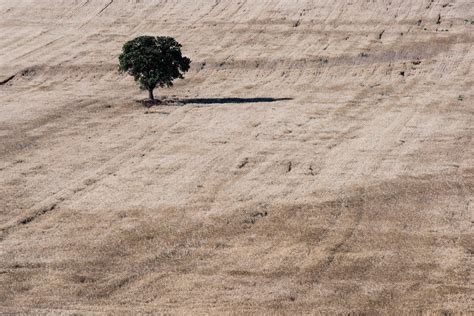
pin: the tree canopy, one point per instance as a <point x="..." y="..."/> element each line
<point x="153" y="61"/>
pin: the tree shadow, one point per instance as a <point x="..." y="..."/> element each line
<point x="231" y="100"/>
<point x="181" y="102"/>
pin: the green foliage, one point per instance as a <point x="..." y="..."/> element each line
<point x="153" y="61"/>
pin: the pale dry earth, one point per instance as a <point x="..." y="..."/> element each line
<point x="348" y="188"/>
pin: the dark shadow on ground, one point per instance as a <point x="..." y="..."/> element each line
<point x="231" y="100"/>
<point x="180" y="102"/>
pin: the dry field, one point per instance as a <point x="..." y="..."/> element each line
<point x="340" y="180"/>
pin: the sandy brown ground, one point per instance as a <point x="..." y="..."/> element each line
<point x="352" y="190"/>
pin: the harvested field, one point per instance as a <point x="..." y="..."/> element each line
<point x="318" y="157"/>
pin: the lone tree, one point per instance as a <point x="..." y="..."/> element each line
<point x="153" y="62"/>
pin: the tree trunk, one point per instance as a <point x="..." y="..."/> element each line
<point x="150" y="95"/>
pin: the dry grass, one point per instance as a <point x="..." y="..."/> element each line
<point x="318" y="158"/>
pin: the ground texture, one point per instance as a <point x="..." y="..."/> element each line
<point x="340" y="180"/>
